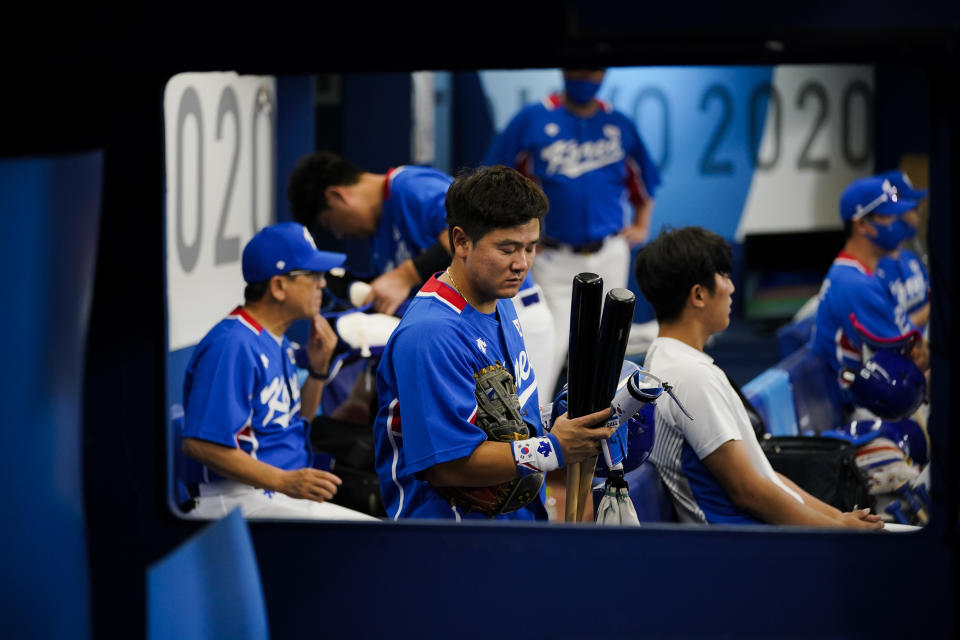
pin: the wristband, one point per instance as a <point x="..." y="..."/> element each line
<point x="537" y="455"/>
<point x="318" y="376"/>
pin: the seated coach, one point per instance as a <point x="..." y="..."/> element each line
<point x="246" y="419"/>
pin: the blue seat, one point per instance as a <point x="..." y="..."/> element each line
<point x="794" y="335"/>
<point x="816" y="396"/>
<point x="772" y="396"/>
<point x="209" y="587"/>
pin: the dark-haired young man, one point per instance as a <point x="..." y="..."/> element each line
<point x="459" y="433"/>
<point x="246" y="419"/>
<point x="712" y="465"/>
<point x="400" y="212"/>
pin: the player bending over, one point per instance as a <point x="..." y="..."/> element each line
<point x="458" y="433"/>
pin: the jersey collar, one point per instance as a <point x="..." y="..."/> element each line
<point x="554" y="101"/>
<point x="434" y="288"/>
<point x="246" y="319"/>
<point x="391" y="174"/>
<point x="852" y="261"/>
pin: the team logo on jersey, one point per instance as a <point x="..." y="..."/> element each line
<point x="552" y="129"/>
<point x="516" y="323"/>
<point x="570" y="159"/>
<point x="522" y="366"/>
<point x="482" y="346"/>
<point x="277" y="401"/>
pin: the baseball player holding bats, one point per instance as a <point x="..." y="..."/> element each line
<point x="458" y="433"/>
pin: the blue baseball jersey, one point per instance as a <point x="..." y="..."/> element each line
<point x="588" y="167"/>
<point x="241" y="390"/>
<point x="906" y="279"/>
<point x="427" y="403"/>
<point x="851" y="288"/>
<point x="414" y="214"/>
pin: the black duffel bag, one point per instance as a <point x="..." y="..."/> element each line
<point x="823" y="467"/>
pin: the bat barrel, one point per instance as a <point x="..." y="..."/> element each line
<point x="585" y="305"/>
<point x="614" y="332"/>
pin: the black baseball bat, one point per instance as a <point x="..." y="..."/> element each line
<point x="615" y="324"/>
<point x="585" y="305"/>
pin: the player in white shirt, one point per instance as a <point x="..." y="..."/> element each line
<point x="712" y="465"/>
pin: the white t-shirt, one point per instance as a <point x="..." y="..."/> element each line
<point x="681" y="444"/>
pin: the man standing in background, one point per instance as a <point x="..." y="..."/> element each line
<point x="594" y="168"/>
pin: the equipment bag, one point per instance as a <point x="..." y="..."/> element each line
<point x="823" y="467"/>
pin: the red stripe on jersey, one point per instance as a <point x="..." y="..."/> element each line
<point x="240" y="313"/>
<point x="245" y="433"/>
<point x="844" y="256"/>
<point x="635" y="186"/>
<point x="444" y="291"/>
<point x="524" y="164"/>
<point x="909" y="338"/>
<point x="473" y="417"/>
<point x="391" y="172"/>
<point x="394" y="420"/>
<point x="863" y="452"/>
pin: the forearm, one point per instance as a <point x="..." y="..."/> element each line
<point x="809" y="500"/>
<point x="490" y="463"/>
<point x="642" y="213"/>
<point x="233" y="463"/>
<point x="769" y="503"/>
<point x="921" y="316"/>
<point x="406" y="272"/>
<point x="310" y="394"/>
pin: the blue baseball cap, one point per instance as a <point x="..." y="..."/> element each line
<point x="906" y="189"/>
<point x="872" y="195"/>
<point x="285" y="247"/>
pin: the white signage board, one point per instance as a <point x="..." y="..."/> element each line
<point x="820" y="120"/>
<point x="220" y="165"/>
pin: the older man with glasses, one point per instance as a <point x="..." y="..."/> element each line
<point x="246" y="418"/>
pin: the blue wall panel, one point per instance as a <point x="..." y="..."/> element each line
<point x="48" y="248"/>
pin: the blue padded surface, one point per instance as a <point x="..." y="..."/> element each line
<point x="816" y="396"/>
<point x="209" y="587"/>
<point x="771" y="394"/>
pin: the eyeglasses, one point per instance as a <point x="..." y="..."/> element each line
<point x="316" y="275"/>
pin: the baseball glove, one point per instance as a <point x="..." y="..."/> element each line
<point x="498" y="414"/>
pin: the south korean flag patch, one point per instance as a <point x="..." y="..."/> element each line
<point x="537" y="455"/>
